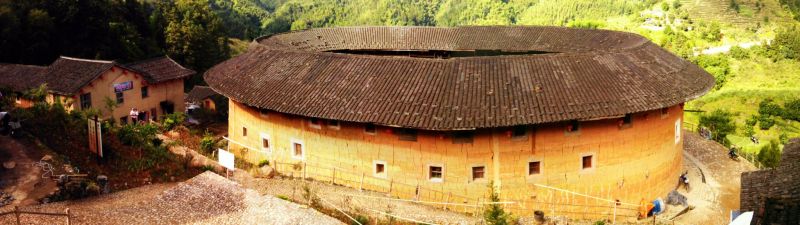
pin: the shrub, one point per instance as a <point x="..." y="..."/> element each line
<point x="207" y="168"/>
<point x="765" y="122"/>
<point x="752" y="120"/>
<point x="263" y="163"/>
<point x="361" y="220"/>
<point x="791" y="110"/>
<point x="749" y="131"/>
<point x="770" y="155"/>
<point x="137" y="135"/>
<point x="720" y="122"/>
<point x="172" y="120"/>
<point x="769" y="108"/>
<point x="283" y="197"/>
<point x="494" y="214"/>
<point x="739" y="53"/>
<point x="716" y="65"/>
<point x="207" y="143"/>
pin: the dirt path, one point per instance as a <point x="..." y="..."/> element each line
<point x="719" y="194"/>
<point x="25" y="182"/>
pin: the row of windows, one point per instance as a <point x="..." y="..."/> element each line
<point x="121" y="97"/>
<point x="86" y="99"/>
<point x="435" y="172"/>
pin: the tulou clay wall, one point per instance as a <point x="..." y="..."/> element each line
<point x="632" y="163"/>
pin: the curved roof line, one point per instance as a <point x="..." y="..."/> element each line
<point x="595" y="74"/>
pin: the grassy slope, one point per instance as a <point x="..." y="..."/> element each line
<point x="753" y="81"/>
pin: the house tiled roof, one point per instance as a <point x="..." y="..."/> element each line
<point x="161" y="69"/>
<point x="20" y="77"/>
<point x="68" y="75"/>
<point x="198" y="93"/>
<point x="584" y="74"/>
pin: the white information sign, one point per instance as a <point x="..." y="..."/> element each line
<point x="226" y="159"/>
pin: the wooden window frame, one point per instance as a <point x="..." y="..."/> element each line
<point x="86" y="100"/>
<point x="265" y="137"/>
<point x="439" y="179"/>
<point x="145" y="92"/>
<point x="303" y="150"/>
<point x="472" y="173"/>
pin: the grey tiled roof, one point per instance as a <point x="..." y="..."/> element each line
<point x="586" y="74"/>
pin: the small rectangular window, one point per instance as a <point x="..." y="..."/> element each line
<point x="435" y="173"/>
<point x="265" y="143"/>
<point x="587" y="162"/>
<point x="406" y="134"/>
<point x="370" y="129"/>
<point x="573" y="126"/>
<point x="534" y="168"/>
<point x="263" y="112"/>
<point x="120" y="97"/>
<point x="314" y="123"/>
<point x="333" y="124"/>
<point x="519" y="132"/>
<point x="379" y="168"/>
<point x="86" y="101"/>
<point x="297" y="150"/>
<point x="145" y="92"/>
<point x="462" y="137"/>
<point x="478" y="172"/>
<point x="626" y="122"/>
<point x="244" y="131"/>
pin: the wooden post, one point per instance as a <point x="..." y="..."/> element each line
<point x="361" y="185"/>
<point x="391" y="182"/>
<point x="304" y="171"/>
<point x="448" y="200"/>
<point x="16" y="213"/>
<point x="68" y="219"/>
<point x="333" y="177"/>
<point x="416" y="194"/>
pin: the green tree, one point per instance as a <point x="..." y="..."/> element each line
<point x="494" y="214"/>
<point x="770" y="155"/>
<point x="195" y="36"/>
<point x="721" y="123"/>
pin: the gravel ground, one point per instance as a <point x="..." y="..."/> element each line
<point x="205" y="199"/>
<point x="337" y="195"/>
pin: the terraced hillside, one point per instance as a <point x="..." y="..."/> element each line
<point x="751" y="12"/>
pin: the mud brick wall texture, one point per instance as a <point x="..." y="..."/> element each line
<point x="774" y="194"/>
<point x="629" y="163"/>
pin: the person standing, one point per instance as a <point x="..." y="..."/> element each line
<point x="134" y="115"/>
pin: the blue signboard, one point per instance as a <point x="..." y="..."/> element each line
<point x="124" y="86"/>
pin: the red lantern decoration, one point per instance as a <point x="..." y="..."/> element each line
<point x="509" y="133"/>
<point x="441" y="136"/>
<point x="389" y="130"/>
<point x="621" y="122"/>
<point x="569" y="128"/>
<point x="113" y="69"/>
<point x="124" y="72"/>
